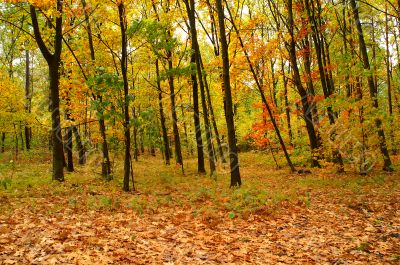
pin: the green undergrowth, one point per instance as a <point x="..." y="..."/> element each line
<point x="265" y="189"/>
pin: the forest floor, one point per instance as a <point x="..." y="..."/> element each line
<point x="276" y="217"/>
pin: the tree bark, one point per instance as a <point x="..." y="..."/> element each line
<point x="326" y="80"/>
<point x="106" y="164"/>
<point x="53" y="61"/>
<point x="372" y="89"/>
<point x="81" y="147"/>
<point x="213" y="121"/>
<point x="28" y="99"/>
<point x="68" y="147"/>
<point x="124" y="72"/>
<point x="306" y="107"/>
<point x="233" y="152"/>
<point x="197" y="126"/>
<point x="177" y="141"/>
<point x="3" y="141"/>
<point x="190" y="7"/>
<point x="162" y="116"/>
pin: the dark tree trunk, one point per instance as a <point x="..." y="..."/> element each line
<point x="135" y="140"/>
<point x="214" y="123"/>
<point x="372" y="88"/>
<point x="197" y="126"/>
<point x="141" y="140"/>
<point x="195" y="46"/>
<point x="3" y="141"/>
<point x="27" y="98"/>
<point x="326" y="80"/>
<point x="106" y="164"/>
<point x="81" y="147"/>
<point x="177" y="141"/>
<point x="184" y="123"/>
<point x="124" y="72"/>
<point x="16" y="142"/>
<point x="68" y="147"/>
<point x="162" y="116"/>
<point x="388" y="80"/>
<point x="307" y="108"/>
<point x="233" y="152"/>
<point x="287" y="108"/>
<point x="53" y="61"/>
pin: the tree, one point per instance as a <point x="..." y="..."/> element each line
<point x="124" y="72"/>
<point x="197" y="56"/>
<point x="233" y="152"/>
<point x="373" y="91"/>
<point x="53" y="60"/>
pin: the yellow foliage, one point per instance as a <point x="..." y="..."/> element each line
<point x="12" y="105"/>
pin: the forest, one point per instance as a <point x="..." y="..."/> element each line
<point x="199" y="132"/>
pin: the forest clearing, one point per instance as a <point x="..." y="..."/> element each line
<point x="199" y="132"/>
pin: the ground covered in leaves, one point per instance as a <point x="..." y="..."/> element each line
<point x="275" y="217"/>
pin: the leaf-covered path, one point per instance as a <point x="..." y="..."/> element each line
<point x="318" y="220"/>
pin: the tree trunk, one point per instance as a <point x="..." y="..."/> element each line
<point x="177" y="141"/>
<point x="135" y="140"/>
<point x="214" y="123"/>
<point x="372" y="89"/>
<point x="162" y="116"/>
<point x="28" y="99"/>
<point x="233" y="152"/>
<point x="287" y="108"/>
<point x="388" y="81"/>
<point x="81" y="147"/>
<point x="326" y="80"/>
<point x="53" y="61"/>
<point x="197" y="126"/>
<point x="3" y="141"/>
<point x="68" y="147"/>
<point x="263" y="98"/>
<point x="195" y="46"/>
<point x="184" y="123"/>
<point x="106" y="164"/>
<point x="124" y="72"/>
<point x="307" y="108"/>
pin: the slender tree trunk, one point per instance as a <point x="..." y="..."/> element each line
<point x="141" y="140"/>
<point x="214" y="123"/>
<point x="372" y="88"/>
<point x="307" y="110"/>
<point x="124" y="72"/>
<point x="3" y="141"/>
<point x="287" y="108"/>
<point x="106" y="164"/>
<point x="16" y="142"/>
<point x="196" y="117"/>
<point x="177" y="141"/>
<point x="27" y="98"/>
<point x="135" y="140"/>
<point x="184" y="123"/>
<point x="81" y="147"/>
<point x="195" y="46"/>
<point x="388" y="80"/>
<point x="162" y="116"/>
<point x="263" y="98"/>
<point x="68" y="147"/>
<point x="326" y="80"/>
<point x="233" y="152"/>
